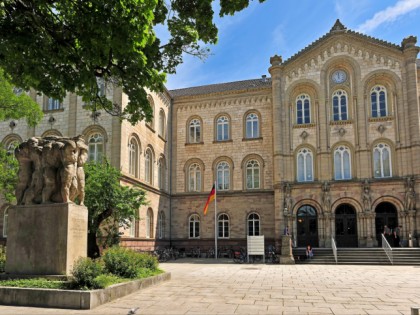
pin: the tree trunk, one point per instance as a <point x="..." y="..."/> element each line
<point x="93" y="248"/>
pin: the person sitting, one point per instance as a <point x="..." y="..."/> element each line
<point x="309" y="252"/>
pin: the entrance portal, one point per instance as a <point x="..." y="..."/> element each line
<point x="307" y="227"/>
<point x="346" y="226"/>
<point x="386" y="214"/>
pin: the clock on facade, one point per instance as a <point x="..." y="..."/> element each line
<point x="339" y="76"/>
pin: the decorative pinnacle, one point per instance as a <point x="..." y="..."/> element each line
<point x="276" y="60"/>
<point x="338" y="26"/>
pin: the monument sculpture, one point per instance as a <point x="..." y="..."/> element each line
<point x="366" y="198"/>
<point x="288" y="201"/>
<point x="410" y="194"/>
<point x="326" y="198"/>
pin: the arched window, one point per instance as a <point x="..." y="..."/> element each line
<point x="252" y="174"/>
<point x="162" y="124"/>
<point x="303" y="109"/>
<point x="148" y="169"/>
<point x="194" y="178"/>
<point x="339" y="101"/>
<point x="342" y="163"/>
<point x="152" y="106"/>
<point x="253" y="224"/>
<point x="223" y="224"/>
<point x="252" y="126"/>
<point x="5" y="221"/>
<point x="133" y="155"/>
<point x="161" y="173"/>
<point x="96" y="147"/>
<point x="149" y="223"/>
<point x="194" y="131"/>
<point x="305" y="165"/>
<point x="223" y="176"/>
<point x="382" y="160"/>
<point x="161" y="225"/>
<point x="194" y="226"/>
<point x="378" y="101"/>
<point x="222" y="128"/>
<point x="11" y="146"/>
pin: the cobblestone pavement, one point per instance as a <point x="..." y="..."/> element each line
<point x="204" y="286"/>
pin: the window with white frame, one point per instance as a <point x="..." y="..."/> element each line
<point x="53" y="104"/>
<point x="161" y="225"/>
<point x="253" y="224"/>
<point x="305" y="165"/>
<point x="96" y="147"/>
<point x="222" y="128"/>
<point x="132" y="230"/>
<point x="161" y="173"/>
<point x="149" y="223"/>
<point x="339" y="101"/>
<point x="194" y="226"/>
<point x="223" y="176"/>
<point x="378" y="101"/>
<point x="223" y="225"/>
<point x="133" y="150"/>
<point x="194" y="131"/>
<point x="303" y="109"/>
<point x="252" y="174"/>
<point x="382" y="160"/>
<point x="162" y="123"/>
<point x="342" y="163"/>
<point x="252" y="126"/>
<point x="5" y="221"/>
<point x="194" y="178"/>
<point x="148" y="169"/>
<point x="152" y="106"/>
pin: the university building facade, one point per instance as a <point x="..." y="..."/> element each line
<point x="328" y="145"/>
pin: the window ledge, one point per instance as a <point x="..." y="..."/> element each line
<point x="194" y="143"/>
<point x="252" y="139"/>
<point x="310" y="125"/>
<point x="384" y="118"/>
<point x="150" y="128"/>
<point x="54" y="110"/>
<point x="341" y="122"/>
<point x="222" y="141"/>
<point x="162" y="138"/>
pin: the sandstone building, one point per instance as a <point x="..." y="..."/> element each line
<point x="328" y="146"/>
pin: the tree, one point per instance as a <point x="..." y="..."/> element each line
<point x="9" y="167"/>
<point x="111" y="206"/>
<point x="72" y="45"/>
<point x="15" y="104"/>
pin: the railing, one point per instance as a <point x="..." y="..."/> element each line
<point x="334" y="248"/>
<point x="388" y="250"/>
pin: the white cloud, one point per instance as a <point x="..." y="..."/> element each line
<point x="390" y="14"/>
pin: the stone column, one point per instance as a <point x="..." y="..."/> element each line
<point x="286" y="257"/>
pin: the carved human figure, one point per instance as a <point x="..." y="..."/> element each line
<point x="33" y="192"/>
<point x="78" y="188"/>
<point x="326" y="198"/>
<point x="69" y="154"/>
<point x="410" y="194"/>
<point x="51" y="161"/>
<point x="288" y="201"/>
<point x="366" y="198"/>
<point x="25" y="171"/>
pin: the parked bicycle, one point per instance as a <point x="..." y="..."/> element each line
<point x="239" y="256"/>
<point x="271" y="256"/>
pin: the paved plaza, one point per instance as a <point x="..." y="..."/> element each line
<point x="203" y="287"/>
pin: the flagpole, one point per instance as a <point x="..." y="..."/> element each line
<point x="215" y="219"/>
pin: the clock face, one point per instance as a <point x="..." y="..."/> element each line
<point x="339" y="76"/>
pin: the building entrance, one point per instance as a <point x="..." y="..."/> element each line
<point x="386" y="214"/>
<point x="346" y="226"/>
<point x="307" y="227"/>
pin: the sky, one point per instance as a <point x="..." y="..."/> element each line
<point x="248" y="39"/>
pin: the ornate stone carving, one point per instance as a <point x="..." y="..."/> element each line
<point x="366" y="198"/>
<point x="51" y="170"/>
<point x="304" y="135"/>
<point x="410" y="194"/>
<point x="381" y="129"/>
<point x="341" y="132"/>
<point x="326" y="197"/>
<point x="288" y="201"/>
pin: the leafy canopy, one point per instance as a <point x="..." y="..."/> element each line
<point x="9" y="167"/>
<point x="71" y="45"/>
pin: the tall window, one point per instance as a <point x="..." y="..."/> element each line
<point x="222" y="128"/>
<point x="252" y="174"/>
<point x="342" y="163"/>
<point x="223" y="224"/>
<point x="252" y="126"/>
<point x="161" y="225"/>
<point x="382" y="160"/>
<point x="53" y="104"/>
<point x="194" y="226"/>
<point x="253" y="224"/>
<point x="378" y="101"/>
<point x="340" y="105"/>
<point x="5" y="222"/>
<point x="149" y="223"/>
<point x="223" y="176"/>
<point x="194" y="178"/>
<point x="96" y="147"/>
<point x="101" y="87"/>
<point x="132" y="231"/>
<point x="305" y="165"/>
<point x="152" y="106"/>
<point x="303" y="109"/>
<point x="161" y="173"/>
<point x="194" y="131"/>
<point x="162" y="123"/>
<point x="148" y="170"/>
<point x="133" y="151"/>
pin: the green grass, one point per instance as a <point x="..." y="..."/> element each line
<point x="34" y="283"/>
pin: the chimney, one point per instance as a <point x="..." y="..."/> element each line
<point x="264" y="78"/>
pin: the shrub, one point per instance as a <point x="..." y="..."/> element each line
<point x="2" y="258"/>
<point x="105" y="280"/>
<point x="148" y="261"/>
<point x="85" y="270"/>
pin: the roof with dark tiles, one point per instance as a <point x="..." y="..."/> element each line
<point x="223" y="87"/>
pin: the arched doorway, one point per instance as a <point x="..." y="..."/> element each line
<point x="346" y="226"/>
<point x="307" y="226"/>
<point x="386" y="214"/>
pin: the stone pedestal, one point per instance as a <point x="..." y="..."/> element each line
<point x="46" y="239"/>
<point x="286" y="257"/>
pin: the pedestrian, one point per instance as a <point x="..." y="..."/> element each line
<point x="286" y="230"/>
<point x="387" y="234"/>
<point x="397" y="238"/>
<point x="309" y="252"/>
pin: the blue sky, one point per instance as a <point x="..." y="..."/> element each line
<point x="248" y="39"/>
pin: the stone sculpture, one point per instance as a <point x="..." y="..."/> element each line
<point x="51" y="170"/>
<point x="410" y="194"/>
<point x="366" y="198"/>
<point x="326" y="198"/>
<point x="288" y="201"/>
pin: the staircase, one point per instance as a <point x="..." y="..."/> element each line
<point x="359" y="256"/>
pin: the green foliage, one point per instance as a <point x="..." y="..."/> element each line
<point x="17" y="104"/>
<point x="34" y="283"/>
<point x="85" y="271"/>
<point x="58" y="46"/>
<point x="9" y="167"/>
<point x="2" y="258"/>
<point x="105" y="280"/>
<point x="109" y="203"/>
<point x="127" y="263"/>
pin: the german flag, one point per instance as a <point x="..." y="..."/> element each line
<point x="210" y="199"/>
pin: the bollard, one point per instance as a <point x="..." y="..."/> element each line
<point x="415" y="310"/>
